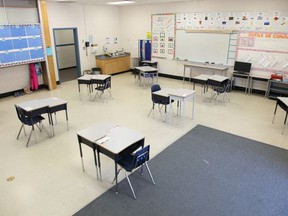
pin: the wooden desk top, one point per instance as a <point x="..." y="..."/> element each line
<point x="95" y="77"/>
<point x="180" y="92"/>
<point x="146" y="68"/>
<point x="40" y="103"/>
<point x="202" y="77"/>
<point x="118" y="137"/>
<point x="284" y="100"/>
<point x="218" y="78"/>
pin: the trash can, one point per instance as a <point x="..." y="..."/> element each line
<point x="96" y="70"/>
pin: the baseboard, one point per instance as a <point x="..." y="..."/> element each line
<point x="20" y="92"/>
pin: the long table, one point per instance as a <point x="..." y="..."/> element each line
<point x="181" y="95"/>
<point x="213" y="67"/>
<point x="283" y="103"/>
<point x="54" y="105"/>
<point x="111" y="140"/>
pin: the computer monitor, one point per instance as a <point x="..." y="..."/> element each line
<point x="242" y="67"/>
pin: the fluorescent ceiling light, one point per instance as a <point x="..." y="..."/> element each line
<point x="121" y="2"/>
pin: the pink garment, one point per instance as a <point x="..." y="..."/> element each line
<point x="33" y="77"/>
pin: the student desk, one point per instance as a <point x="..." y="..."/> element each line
<point x="206" y="80"/>
<point x="217" y="80"/>
<point x="54" y="105"/>
<point x="89" y="80"/>
<point x="212" y="67"/>
<point x="149" y="63"/>
<point x="181" y="95"/>
<point x="201" y="79"/>
<point x="146" y="71"/>
<point x="283" y="103"/>
<point x="110" y="140"/>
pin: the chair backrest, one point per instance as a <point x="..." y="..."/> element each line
<point x="107" y="83"/>
<point x="155" y="87"/>
<point x="28" y="118"/>
<point x="20" y="114"/>
<point x="228" y="86"/>
<point x="141" y="156"/>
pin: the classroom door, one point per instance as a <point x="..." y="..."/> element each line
<point x="67" y="53"/>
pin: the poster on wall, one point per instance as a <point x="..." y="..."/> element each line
<point x="267" y="51"/>
<point x="259" y="21"/>
<point x="20" y="44"/>
<point x="163" y="35"/>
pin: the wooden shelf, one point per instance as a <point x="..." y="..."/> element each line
<point x="277" y="89"/>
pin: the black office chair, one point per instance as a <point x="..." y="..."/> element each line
<point x="223" y="91"/>
<point x="160" y="100"/>
<point x="31" y="119"/>
<point x="102" y="87"/>
<point x="132" y="161"/>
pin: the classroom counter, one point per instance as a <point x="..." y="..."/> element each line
<point x="113" y="64"/>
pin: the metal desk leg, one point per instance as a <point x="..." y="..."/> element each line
<point x="116" y="178"/>
<point x="99" y="165"/>
<point x="285" y="123"/>
<point x="275" y="112"/>
<point x="95" y="160"/>
<point x="81" y="155"/>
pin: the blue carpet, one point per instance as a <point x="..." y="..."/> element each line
<point x="206" y="172"/>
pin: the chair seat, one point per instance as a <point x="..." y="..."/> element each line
<point x="127" y="162"/>
<point x="132" y="161"/>
<point x="34" y="120"/>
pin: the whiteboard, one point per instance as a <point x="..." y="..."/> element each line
<point x="202" y="47"/>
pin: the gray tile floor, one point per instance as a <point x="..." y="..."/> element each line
<point x="48" y="175"/>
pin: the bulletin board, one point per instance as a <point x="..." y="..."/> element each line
<point x="163" y="36"/>
<point x="20" y="44"/>
<point x="267" y="51"/>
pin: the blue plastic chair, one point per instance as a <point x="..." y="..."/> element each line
<point x="133" y="161"/>
<point x="160" y="100"/>
<point x="31" y="119"/>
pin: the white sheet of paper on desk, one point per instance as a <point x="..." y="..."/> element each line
<point x="102" y="140"/>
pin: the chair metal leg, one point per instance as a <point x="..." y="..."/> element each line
<point x="30" y="137"/>
<point x="150" y="111"/>
<point x="160" y="107"/>
<point x="22" y="127"/>
<point x="127" y="177"/>
<point x="150" y="174"/>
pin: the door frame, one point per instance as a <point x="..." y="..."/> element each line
<point x="76" y="46"/>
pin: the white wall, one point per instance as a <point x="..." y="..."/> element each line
<point x="128" y="24"/>
<point x="99" y="22"/>
<point x="136" y="21"/>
